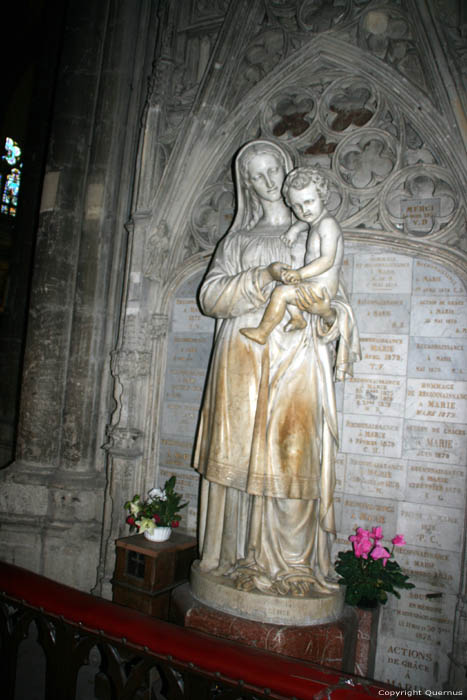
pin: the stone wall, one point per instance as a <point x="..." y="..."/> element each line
<point x="52" y="497"/>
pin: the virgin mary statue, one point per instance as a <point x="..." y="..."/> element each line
<point x="267" y="436"/>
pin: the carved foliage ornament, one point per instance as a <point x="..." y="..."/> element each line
<point x="387" y="33"/>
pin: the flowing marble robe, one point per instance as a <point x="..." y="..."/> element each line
<point x="267" y="436"/>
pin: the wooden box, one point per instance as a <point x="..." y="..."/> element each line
<point x="146" y="572"/>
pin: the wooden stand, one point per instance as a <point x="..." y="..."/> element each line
<point x="146" y="572"/>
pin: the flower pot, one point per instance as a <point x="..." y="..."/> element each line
<point x="159" y="534"/>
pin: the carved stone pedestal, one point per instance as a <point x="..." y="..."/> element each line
<point x="221" y="593"/>
<point x="339" y="645"/>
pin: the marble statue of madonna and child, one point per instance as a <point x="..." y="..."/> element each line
<point x="267" y="437"/>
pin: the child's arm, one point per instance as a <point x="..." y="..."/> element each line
<point x="329" y="233"/>
<point x="291" y="235"/>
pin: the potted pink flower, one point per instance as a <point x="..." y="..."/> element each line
<point x="369" y="570"/>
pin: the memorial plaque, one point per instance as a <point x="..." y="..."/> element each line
<point x="438" y="358"/>
<point x="435" y="442"/>
<point x="372" y="435"/>
<point x="360" y="511"/>
<point x="193" y="349"/>
<point x="439" y="317"/>
<point x="382" y="313"/>
<point x="184" y="385"/>
<point x="434" y="401"/>
<point x="435" y="484"/>
<point x="431" y="526"/>
<point x="187" y="317"/>
<point x="435" y="280"/>
<point x="410" y="665"/>
<point x="383" y="354"/>
<point x="180" y="419"/>
<point x="189" y="348"/>
<point x="419" y="214"/>
<point x="380" y="478"/>
<point x="384" y="272"/>
<point x="420" y="616"/>
<point x="430" y="568"/>
<point x="375" y="395"/>
<point x="175" y="452"/>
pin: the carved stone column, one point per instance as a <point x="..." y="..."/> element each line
<point x="53" y="494"/>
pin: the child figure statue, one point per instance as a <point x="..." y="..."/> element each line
<point x="306" y="191"/>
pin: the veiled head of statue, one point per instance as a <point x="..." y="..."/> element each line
<point x="257" y="152"/>
<point x="261" y="167"/>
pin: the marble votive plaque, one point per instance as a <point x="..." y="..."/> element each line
<point x="375" y="395"/>
<point x="383" y="273"/>
<point x="382" y="313"/>
<point x="372" y="435"/>
<point x="375" y="476"/>
<point x="383" y="354"/>
<point x="437" y="358"/>
<point x="429" y="400"/>
<point x="435" y="442"/>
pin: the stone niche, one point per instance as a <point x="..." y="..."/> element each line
<point x="403" y="423"/>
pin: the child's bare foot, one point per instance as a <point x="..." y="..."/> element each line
<point x="295" y="324"/>
<point x="255" y="334"/>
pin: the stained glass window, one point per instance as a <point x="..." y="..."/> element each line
<point x="10" y="178"/>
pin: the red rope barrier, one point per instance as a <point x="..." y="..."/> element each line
<point x="260" y="669"/>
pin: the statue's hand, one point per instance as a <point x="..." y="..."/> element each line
<point x="276" y="270"/>
<point x="291" y="277"/>
<point x="308" y="300"/>
<point x="289" y="238"/>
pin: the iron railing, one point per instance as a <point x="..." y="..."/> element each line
<point x="58" y="643"/>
